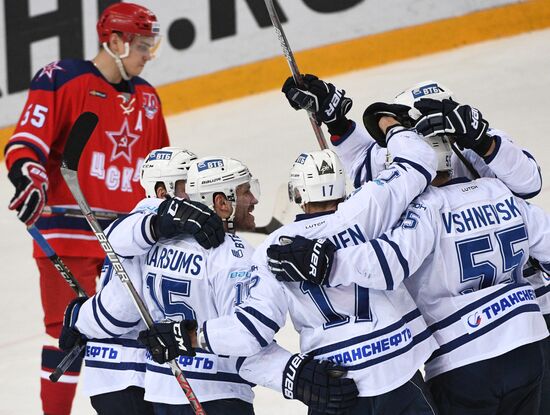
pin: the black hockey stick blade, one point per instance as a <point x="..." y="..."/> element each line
<point x="272" y="226"/>
<point x="79" y="135"/>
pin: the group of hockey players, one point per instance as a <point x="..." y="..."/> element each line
<point x="423" y="291"/>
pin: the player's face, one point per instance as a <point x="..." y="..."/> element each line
<point x="141" y="51"/>
<point x="246" y="200"/>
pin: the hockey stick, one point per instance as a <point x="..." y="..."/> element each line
<point x="293" y="67"/>
<point x="57" y="262"/>
<point x="78" y="137"/>
<point x="73" y="283"/>
<point x="78" y="214"/>
<point x="469" y="166"/>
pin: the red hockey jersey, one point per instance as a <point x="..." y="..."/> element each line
<point x="130" y="126"/>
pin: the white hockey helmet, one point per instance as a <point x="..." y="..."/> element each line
<point x="426" y="89"/>
<point x="432" y="90"/>
<point x="166" y="165"/>
<point x="317" y="176"/>
<point x="210" y="175"/>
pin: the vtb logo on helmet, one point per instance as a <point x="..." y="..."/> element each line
<point x="210" y="175"/>
<point x="432" y="90"/>
<point x="166" y="165"/>
<point x="317" y="176"/>
<point x="427" y="89"/>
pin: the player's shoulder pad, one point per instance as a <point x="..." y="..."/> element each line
<point x="56" y="74"/>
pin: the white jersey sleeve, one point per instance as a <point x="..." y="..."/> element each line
<point x="360" y="154"/>
<point x="514" y="166"/>
<point x="111" y="313"/>
<point x="266" y="367"/>
<point x="131" y="235"/>
<point x="383" y="263"/>
<point x="254" y="322"/>
<point x="537" y="222"/>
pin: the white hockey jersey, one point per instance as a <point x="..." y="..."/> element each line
<point x="112" y="361"/>
<point x="379" y="336"/>
<point x="363" y="159"/>
<point x="177" y="279"/>
<point x="460" y="249"/>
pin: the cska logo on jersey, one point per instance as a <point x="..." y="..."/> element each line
<point x="49" y="69"/>
<point x="123" y="141"/>
<point x="150" y="104"/>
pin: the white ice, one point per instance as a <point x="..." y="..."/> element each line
<point x="508" y="80"/>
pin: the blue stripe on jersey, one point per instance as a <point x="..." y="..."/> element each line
<point x="457" y="315"/>
<point x="367" y="165"/>
<point x="240" y="362"/>
<point x="66" y="222"/>
<point x="122" y="342"/>
<point x="117" y="222"/>
<point x="138" y="367"/>
<point x="97" y="319"/>
<point x="545" y="289"/>
<point x="266" y="321"/>
<point x="545" y="266"/>
<point x="216" y="377"/>
<point x="146" y="221"/>
<point x="400" y="257"/>
<point x="383" y="263"/>
<point x="491" y="157"/>
<point x="419" y="338"/>
<point x="41" y="156"/>
<point x="112" y="320"/>
<point x="468" y="337"/>
<point x="415" y="166"/>
<point x="250" y="327"/>
<point x="414" y="314"/>
<point x="536" y="192"/>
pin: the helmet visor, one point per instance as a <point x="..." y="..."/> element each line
<point x="149" y="46"/>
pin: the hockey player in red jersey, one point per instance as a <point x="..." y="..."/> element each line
<point x="131" y="124"/>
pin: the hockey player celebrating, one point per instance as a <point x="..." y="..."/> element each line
<point x="115" y="367"/>
<point x="489" y="153"/>
<point x="460" y="249"/>
<point x="182" y="280"/>
<point x="130" y="125"/>
<point x="494" y="154"/>
<point x="379" y="337"/>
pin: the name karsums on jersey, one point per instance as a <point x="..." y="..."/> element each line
<point x="476" y="217"/>
<point x="172" y="260"/>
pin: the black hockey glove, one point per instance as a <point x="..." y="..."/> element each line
<point x="464" y="123"/>
<point x="175" y="216"/>
<point x="328" y="104"/>
<point x="300" y="259"/>
<point x="168" y="340"/>
<point x="70" y="336"/>
<point x="31" y="184"/>
<point x="374" y="112"/>
<point x="321" y="385"/>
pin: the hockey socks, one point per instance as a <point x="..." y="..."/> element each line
<point x="57" y="398"/>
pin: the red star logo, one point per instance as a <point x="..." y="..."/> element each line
<point x="123" y="141"/>
<point x="49" y="69"/>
